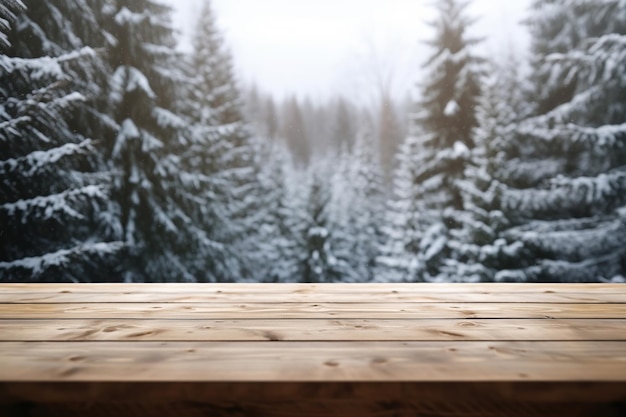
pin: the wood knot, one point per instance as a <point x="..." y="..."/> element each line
<point x="271" y="336"/>
<point x="379" y="361"/>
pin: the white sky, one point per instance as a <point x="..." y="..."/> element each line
<point x="322" y="47"/>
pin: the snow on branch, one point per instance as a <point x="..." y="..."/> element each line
<point x="30" y="164"/>
<point x="168" y="119"/>
<point x="571" y="194"/>
<point x="127" y="80"/>
<point x="39" y="68"/>
<point x="39" y="265"/>
<point x="8" y="16"/>
<point x="47" y="207"/>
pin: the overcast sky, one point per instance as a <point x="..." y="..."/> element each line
<point x="322" y="47"/>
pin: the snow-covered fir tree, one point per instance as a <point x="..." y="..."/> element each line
<point x="437" y="150"/>
<point x="566" y="188"/>
<point x="149" y="137"/>
<point x="558" y="27"/>
<point x="50" y="194"/>
<point x="402" y="230"/>
<point x="477" y="247"/>
<point x="367" y="208"/>
<point x="281" y="243"/>
<point x="225" y="153"/>
<point x="318" y="262"/>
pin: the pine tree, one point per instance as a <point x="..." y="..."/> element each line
<point x="478" y="249"/>
<point x="367" y="208"/>
<point x="50" y="194"/>
<point x="436" y="153"/>
<point x="281" y="247"/>
<point x="558" y="27"/>
<point x="451" y="90"/>
<point x="321" y="263"/>
<point x="234" y="206"/>
<point x="149" y="135"/>
<point x="566" y="185"/>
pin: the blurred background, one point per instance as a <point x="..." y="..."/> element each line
<point x="327" y="141"/>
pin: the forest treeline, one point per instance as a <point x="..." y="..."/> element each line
<point x="124" y="159"/>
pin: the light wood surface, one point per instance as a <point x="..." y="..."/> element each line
<point x="211" y="330"/>
<point x="313" y="349"/>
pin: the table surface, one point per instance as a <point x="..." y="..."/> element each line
<point x="379" y="344"/>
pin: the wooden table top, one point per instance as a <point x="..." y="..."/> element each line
<point x="364" y="349"/>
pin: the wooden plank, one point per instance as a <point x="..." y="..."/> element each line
<point x="311" y="310"/>
<point x="313" y="330"/>
<point x="480" y="406"/>
<point x="181" y="293"/>
<point x="436" y="391"/>
<point x="313" y="361"/>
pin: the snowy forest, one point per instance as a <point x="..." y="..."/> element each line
<point x="124" y="159"/>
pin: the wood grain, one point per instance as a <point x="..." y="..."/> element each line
<point x="323" y="350"/>
<point x="330" y="310"/>
<point x="313" y="361"/>
<point x="310" y="329"/>
<point x="338" y="293"/>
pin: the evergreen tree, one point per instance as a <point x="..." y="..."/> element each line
<point x="321" y="262"/>
<point x="451" y="90"/>
<point x="148" y="138"/>
<point x="282" y="245"/>
<point x="367" y="208"/>
<point x="234" y="206"/>
<point x="436" y="152"/>
<point x="558" y="27"/>
<point x="478" y="249"/>
<point x="403" y="227"/>
<point x="50" y="194"/>
<point x="566" y="185"/>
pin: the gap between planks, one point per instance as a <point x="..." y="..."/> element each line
<point x="320" y="288"/>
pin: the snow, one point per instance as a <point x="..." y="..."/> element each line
<point x="460" y="150"/>
<point x="39" y="68"/>
<point x="196" y="198"/>
<point x="38" y="265"/>
<point x="128" y="131"/>
<point x="124" y="17"/>
<point x="51" y="205"/>
<point x="37" y="160"/>
<point x="127" y="80"/>
<point x="451" y="109"/>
